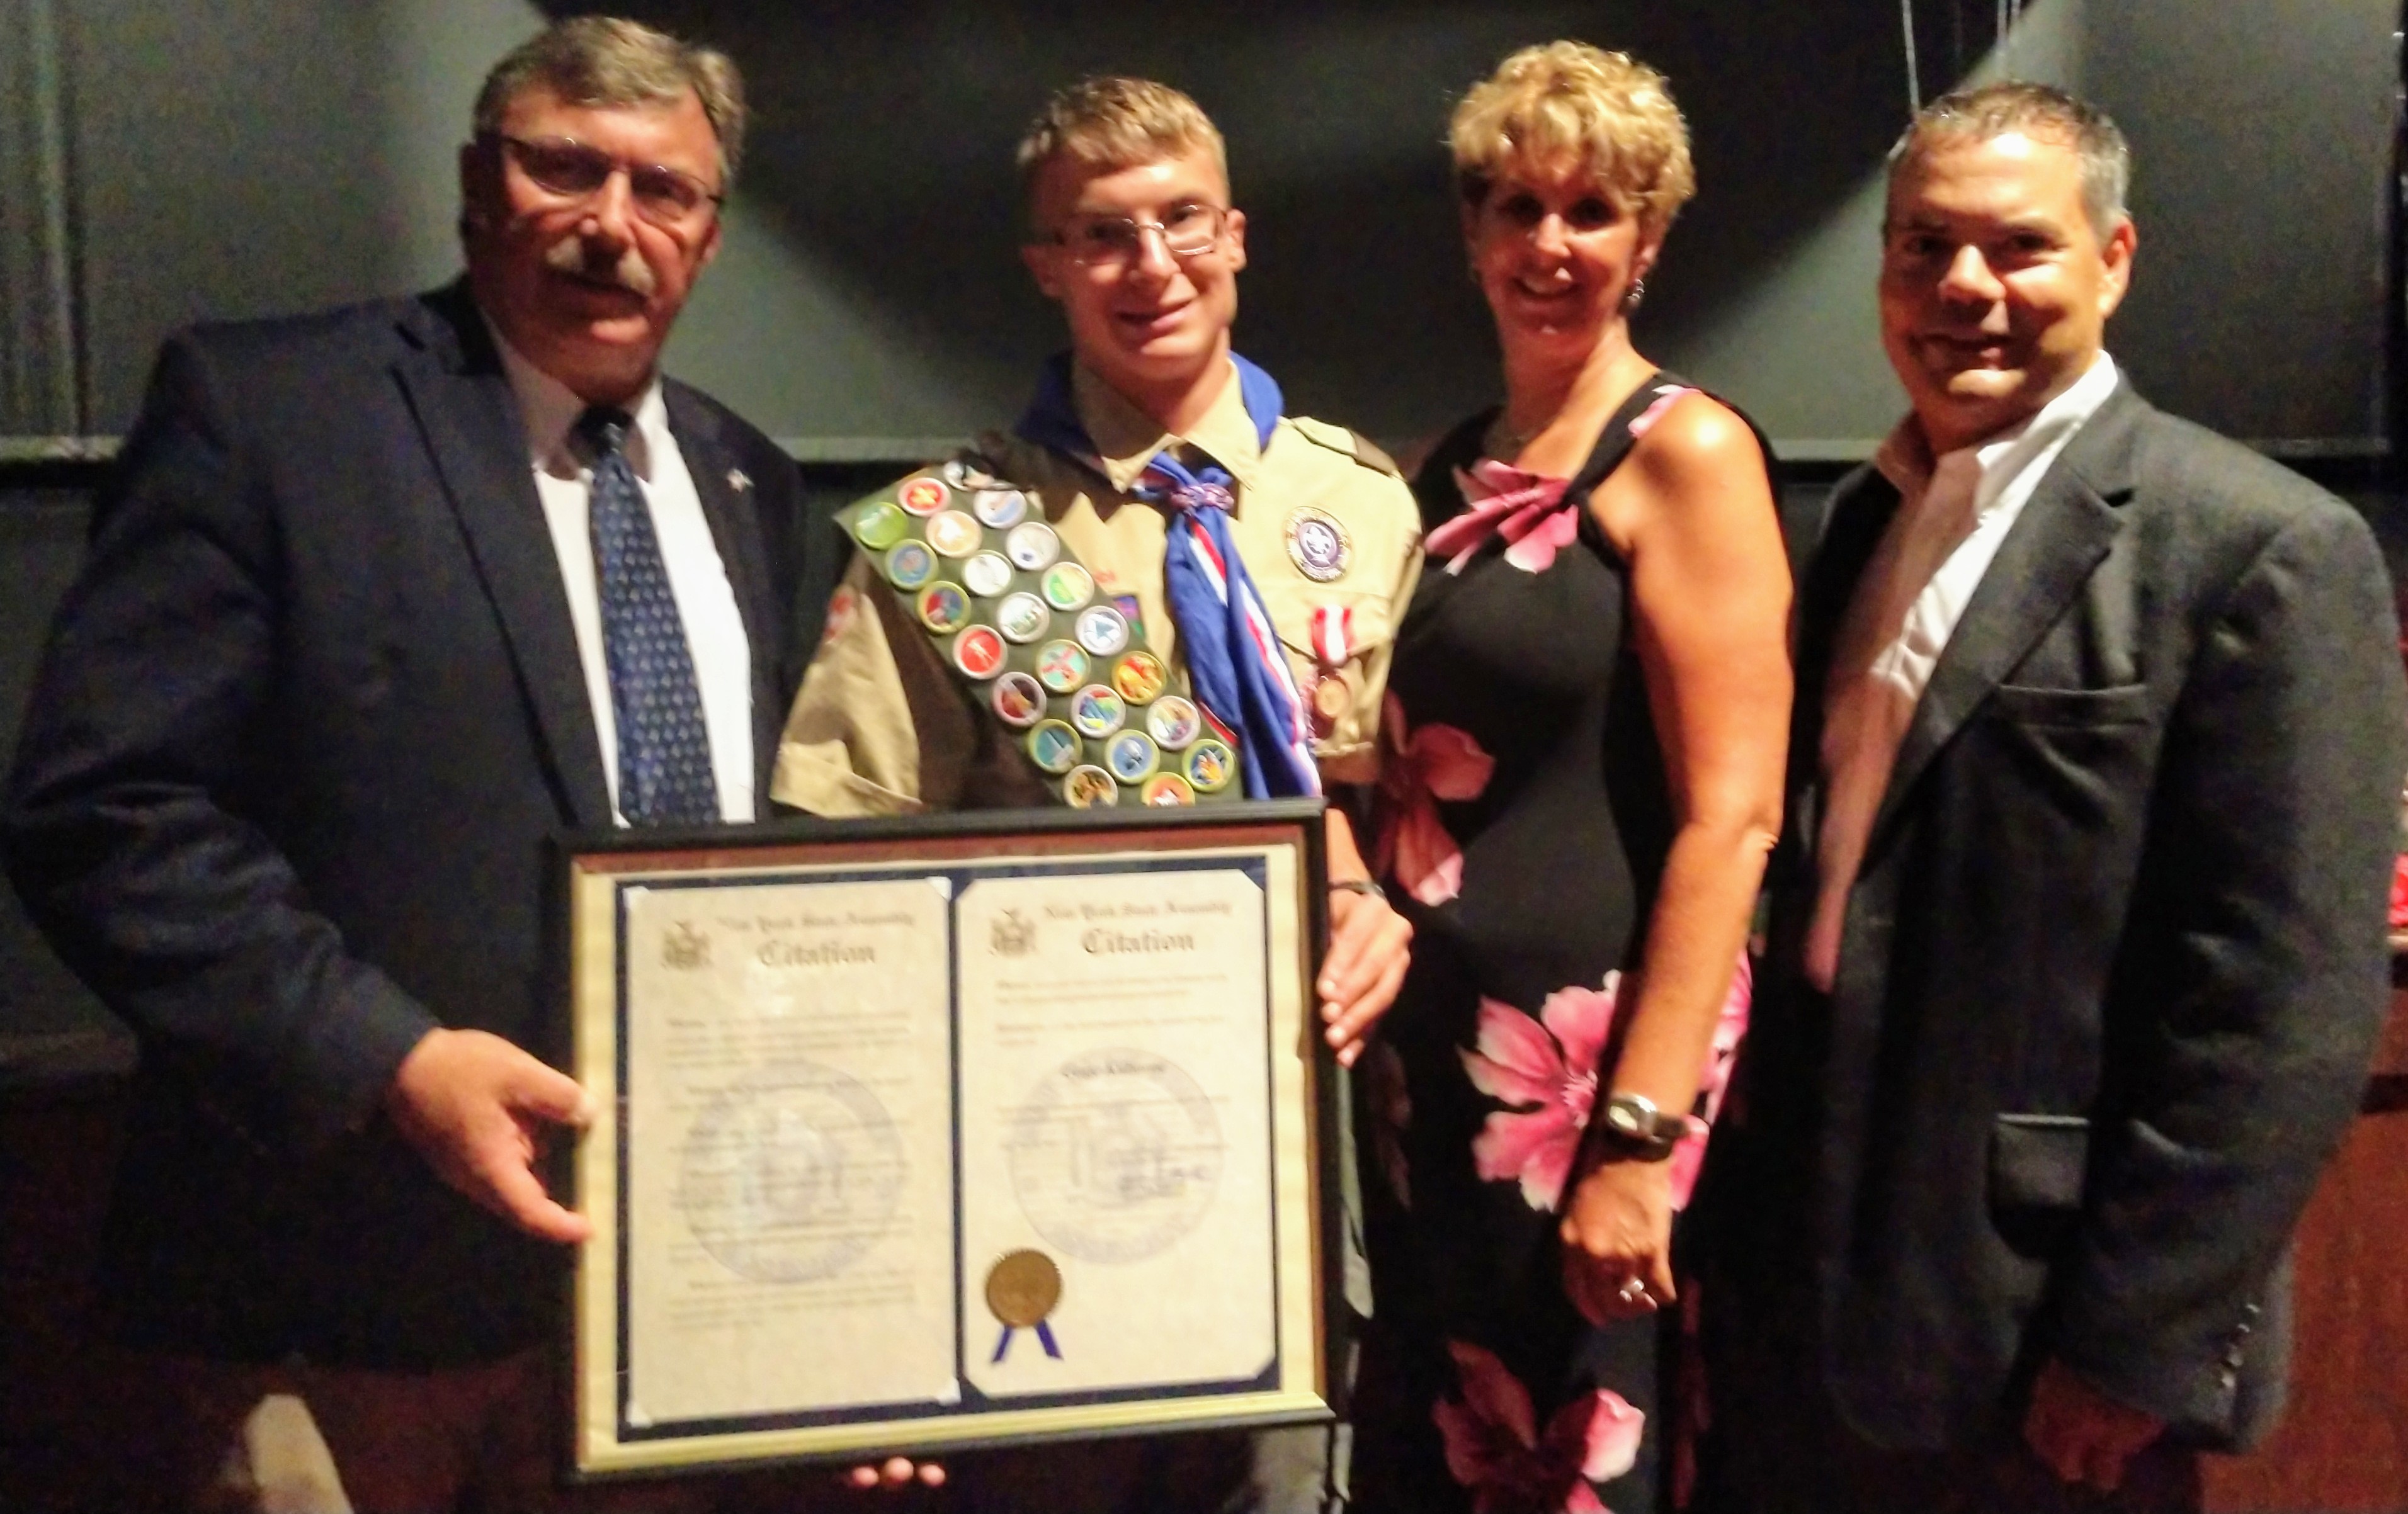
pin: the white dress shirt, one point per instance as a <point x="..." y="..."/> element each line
<point x="1952" y="513"/>
<point x="714" y="628"/>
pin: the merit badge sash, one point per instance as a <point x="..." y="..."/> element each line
<point x="1016" y="617"/>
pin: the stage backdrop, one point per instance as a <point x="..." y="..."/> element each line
<point x="163" y="164"/>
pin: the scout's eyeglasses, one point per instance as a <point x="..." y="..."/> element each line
<point x="663" y="195"/>
<point x="1114" y="242"/>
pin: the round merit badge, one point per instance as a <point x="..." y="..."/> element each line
<point x="1173" y="722"/>
<point x="1023" y="1287"/>
<point x="1018" y="702"/>
<point x="978" y="652"/>
<point x="923" y="496"/>
<point x="967" y="471"/>
<point x="1140" y="677"/>
<point x="880" y="526"/>
<point x="1001" y="508"/>
<point x="1210" y="764"/>
<point x="1098" y="711"/>
<point x="1068" y="586"/>
<point x="911" y="565"/>
<point x="1132" y="756"/>
<point x="1101" y="630"/>
<point x="1167" y="789"/>
<point x="1089" y="786"/>
<point x="1053" y="746"/>
<point x="1022" y="617"/>
<point x="987" y="573"/>
<point x="1061" y="665"/>
<point x="1032" y="544"/>
<point x="944" y="606"/>
<point x="953" y="534"/>
<point x="1317" y="545"/>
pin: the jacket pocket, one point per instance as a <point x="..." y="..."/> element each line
<point x="2038" y="1164"/>
<point x="2125" y="704"/>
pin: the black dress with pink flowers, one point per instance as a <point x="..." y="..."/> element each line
<point x="1523" y="824"/>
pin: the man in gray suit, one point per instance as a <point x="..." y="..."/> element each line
<point x="2077" y="953"/>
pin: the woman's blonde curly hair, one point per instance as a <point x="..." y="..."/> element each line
<point x="1567" y="106"/>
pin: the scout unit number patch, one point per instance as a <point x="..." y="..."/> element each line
<point x="1015" y="616"/>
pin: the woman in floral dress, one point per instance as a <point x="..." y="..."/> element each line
<point x="1590" y="713"/>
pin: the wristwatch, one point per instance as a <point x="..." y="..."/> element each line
<point x="1638" y="1130"/>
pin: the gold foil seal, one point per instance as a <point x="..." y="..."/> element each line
<point x="1022" y="1289"/>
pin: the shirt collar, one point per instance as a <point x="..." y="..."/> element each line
<point x="1127" y="438"/>
<point x="549" y="409"/>
<point x="1904" y="457"/>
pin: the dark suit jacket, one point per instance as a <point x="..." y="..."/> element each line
<point x="2113" y="969"/>
<point x="303" y="728"/>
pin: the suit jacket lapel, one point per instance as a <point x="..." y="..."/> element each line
<point x="2065" y="528"/>
<point x="727" y="496"/>
<point x="469" y="418"/>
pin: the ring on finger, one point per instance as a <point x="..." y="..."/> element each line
<point x="1633" y="1290"/>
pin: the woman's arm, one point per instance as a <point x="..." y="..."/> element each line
<point x="1693" y="513"/>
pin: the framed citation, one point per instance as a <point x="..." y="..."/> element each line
<point x="948" y="1131"/>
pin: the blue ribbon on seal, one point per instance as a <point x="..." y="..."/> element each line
<point x="1044" y="1338"/>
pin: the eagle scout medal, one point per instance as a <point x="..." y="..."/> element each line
<point x="1317" y="545"/>
<point x="1089" y="786"/>
<point x="1022" y="617"/>
<point x="953" y="534"/>
<point x="1101" y="630"/>
<point x="1032" y="544"/>
<point x="1017" y="701"/>
<point x="1330" y="697"/>
<point x="1140" y="677"/>
<point x="1001" y="508"/>
<point x="1053" y="746"/>
<point x="923" y="496"/>
<point x="987" y="573"/>
<point x="944" y="606"/>
<point x="1096" y="711"/>
<point x="880" y="526"/>
<point x="911" y="565"/>
<point x="1022" y="1289"/>
<point x="1167" y="789"/>
<point x="1061" y="665"/>
<point x="1133" y="756"/>
<point x="1208" y="766"/>
<point x="1173" y="722"/>
<point x="978" y="652"/>
<point x="1068" y="586"/>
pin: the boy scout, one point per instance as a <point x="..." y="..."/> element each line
<point x="1155" y="588"/>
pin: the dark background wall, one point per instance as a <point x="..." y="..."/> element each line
<point x="163" y="164"/>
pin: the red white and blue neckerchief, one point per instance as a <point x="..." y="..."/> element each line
<point x="1235" y="664"/>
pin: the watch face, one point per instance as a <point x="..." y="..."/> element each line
<point x="1623" y="1117"/>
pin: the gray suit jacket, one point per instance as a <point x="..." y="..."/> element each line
<point x="2113" y="969"/>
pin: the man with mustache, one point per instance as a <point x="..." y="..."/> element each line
<point x="2077" y="950"/>
<point x="377" y="599"/>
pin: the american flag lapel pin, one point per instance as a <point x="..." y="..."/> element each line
<point x="737" y="480"/>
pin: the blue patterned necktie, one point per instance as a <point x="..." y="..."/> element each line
<point x="665" y="773"/>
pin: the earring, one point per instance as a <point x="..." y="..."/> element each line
<point x="1631" y="296"/>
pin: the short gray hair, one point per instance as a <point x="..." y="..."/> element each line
<point x="604" y="61"/>
<point x="2039" y="110"/>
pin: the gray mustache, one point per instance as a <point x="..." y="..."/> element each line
<point x="628" y="270"/>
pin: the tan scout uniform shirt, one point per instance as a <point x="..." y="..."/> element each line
<point x="882" y="727"/>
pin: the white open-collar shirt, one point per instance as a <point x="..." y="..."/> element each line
<point x="706" y="601"/>
<point x="1952" y="513"/>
